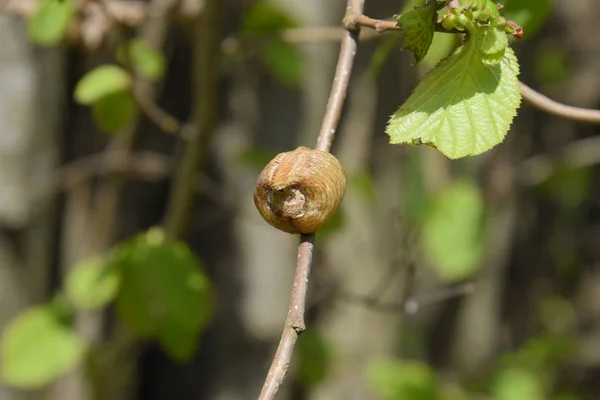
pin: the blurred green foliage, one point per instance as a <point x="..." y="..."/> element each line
<point x="161" y="292"/>
<point x="37" y="348"/>
<point x="453" y="231"/>
<point x="530" y="14"/>
<point x="403" y="380"/>
<point x="164" y="294"/>
<point x="50" y="22"/>
<point x="146" y="61"/>
<point x="314" y="358"/>
<point x="550" y="64"/>
<point x="90" y="285"/>
<point x="263" y="20"/>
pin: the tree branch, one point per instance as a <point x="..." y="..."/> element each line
<point x="295" y="324"/>
<point x="550" y="106"/>
<point x="206" y="55"/>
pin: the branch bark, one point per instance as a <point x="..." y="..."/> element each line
<point x="295" y="324"/>
<point x="550" y="106"/>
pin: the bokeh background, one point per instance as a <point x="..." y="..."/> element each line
<point x="469" y="279"/>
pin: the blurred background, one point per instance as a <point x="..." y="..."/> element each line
<point x="470" y="279"/>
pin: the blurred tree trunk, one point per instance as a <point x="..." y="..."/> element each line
<point x="31" y="83"/>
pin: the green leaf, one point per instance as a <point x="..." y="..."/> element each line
<point x="417" y="27"/>
<point x="518" y="384"/>
<point x="462" y="107"/>
<point x="314" y="359"/>
<point x="530" y="14"/>
<point x="146" y="61"/>
<point x="284" y="62"/>
<point x="90" y="285"/>
<point x="540" y="353"/>
<point x="101" y="82"/>
<point x="263" y="18"/>
<point x="403" y="380"/>
<point x="50" y="23"/>
<point x="114" y="111"/>
<point x="453" y="231"/>
<point x="36" y="348"/>
<point x="165" y="294"/>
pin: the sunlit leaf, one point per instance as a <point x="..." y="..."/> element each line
<point x="165" y="294"/>
<point x="403" y="380"/>
<point x="114" y="112"/>
<point x="100" y="83"/>
<point x="518" y="384"/>
<point x="50" y="22"/>
<point x="284" y="62"/>
<point x="453" y="235"/>
<point x="36" y="348"/>
<point x="91" y="285"/>
<point x="462" y="107"/>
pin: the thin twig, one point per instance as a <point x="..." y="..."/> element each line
<point x="550" y="106"/>
<point x="379" y="25"/>
<point x="295" y="324"/>
<point x="412" y="304"/>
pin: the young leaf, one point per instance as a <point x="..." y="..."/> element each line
<point x="418" y="26"/>
<point x="51" y="21"/>
<point x="92" y="285"/>
<point x="462" y="107"/>
<point x="113" y="112"/>
<point x="453" y="231"/>
<point x="101" y="82"/>
<point x="37" y="348"/>
<point x="493" y="46"/>
<point x="165" y="294"/>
